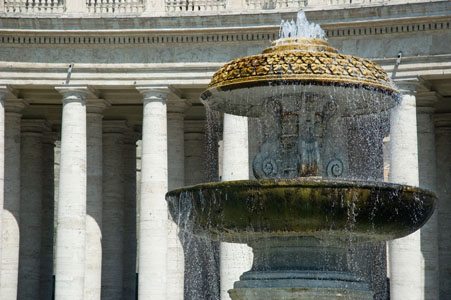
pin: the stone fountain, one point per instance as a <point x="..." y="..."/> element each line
<point x="310" y="199"/>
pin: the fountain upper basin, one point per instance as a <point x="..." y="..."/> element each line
<point x="300" y="66"/>
<point x="239" y="211"/>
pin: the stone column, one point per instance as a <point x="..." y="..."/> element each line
<point x="427" y="177"/>
<point x="194" y="144"/>
<point x="47" y="215"/>
<point x="113" y="210"/>
<point x="406" y="261"/>
<point x="71" y="228"/>
<point x="235" y="259"/>
<point x="130" y="241"/>
<point x="11" y="213"/>
<point x="176" y="179"/>
<point x="154" y="185"/>
<point x="443" y="210"/>
<point x="4" y="90"/>
<point x="94" y="200"/>
<point x="30" y="209"/>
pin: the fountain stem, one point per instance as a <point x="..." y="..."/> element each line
<point x="299" y="253"/>
<point x="300" y="268"/>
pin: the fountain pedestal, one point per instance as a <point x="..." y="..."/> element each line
<point x="300" y="268"/>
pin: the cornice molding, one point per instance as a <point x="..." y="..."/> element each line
<point x="369" y="28"/>
<point x="388" y="27"/>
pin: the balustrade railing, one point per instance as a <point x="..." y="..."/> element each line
<point x="350" y="2"/>
<point x="274" y="4"/>
<point x="114" y="6"/>
<point x="34" y="6"/>
<point x="195" y="5"/>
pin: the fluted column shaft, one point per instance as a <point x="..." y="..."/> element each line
<point x="235" y="259"/>
<point x="130" y="241"/>
<point x="427" y="177"/>
<point x="71" y="228"/>
<point x="406" y="277"/>
<point x="30" y="209"/>
<point x="113" y="210"/>
<point x="176" y="179"/>
<point x="153" y="207"/>
<point x="443" y="158"/>
<point x="94" y="200"/>
<point x="47" y="216"/>
<point x="11" y="212"/>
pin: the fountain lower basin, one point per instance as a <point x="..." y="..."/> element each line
<point x="238" y="211"/>
<point x="300" y="229"/>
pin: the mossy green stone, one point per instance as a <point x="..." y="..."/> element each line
<point x="247" y="209"/>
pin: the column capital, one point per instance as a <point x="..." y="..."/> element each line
<point x="115" y="126"/>
<point x="6" y="89"/>
<point x="34" y="126"/>
<point x="178" y="106"/>
<point x="75" y="92"/>
<point x="96" y="106"/>
<point x="15" y="106"/>
<point x="155" y="93"/>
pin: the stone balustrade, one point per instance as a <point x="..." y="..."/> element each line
<point x="114" y="6"/>
<point x="195" y="5"/>
<point x="159" y="7"/>
<point x="275" y="4"/>
<point x="33" y="6"/>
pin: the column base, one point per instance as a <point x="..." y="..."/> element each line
<point x="290" y="285"/>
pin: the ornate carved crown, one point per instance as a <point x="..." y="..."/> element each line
<point x="303" y="60"/>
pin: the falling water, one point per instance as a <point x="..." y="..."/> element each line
<point x="201" y="252"/>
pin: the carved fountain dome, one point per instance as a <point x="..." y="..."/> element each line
<point x="308" y="64"/>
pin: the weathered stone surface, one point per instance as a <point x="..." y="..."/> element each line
<point x="234" y="258"/>
<point x="406" y="276"/>
<point x="154" y="184"/>
<point x="71" y="228"/>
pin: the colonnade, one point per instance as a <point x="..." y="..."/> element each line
<point x="96" y="237"/>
